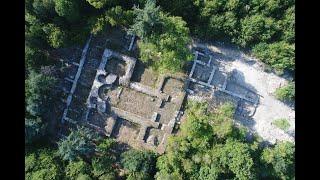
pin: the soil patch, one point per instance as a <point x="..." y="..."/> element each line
<point x="116" y="66"/>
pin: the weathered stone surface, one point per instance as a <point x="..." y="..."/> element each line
<point x="142" y="133"/>
<point x="151" y="140"/>
<point x="74" y="83"/>
<point x="147" y="90"/>
<point x="111" y="78"/>
<point x="155" y="116"/>
<point x="132" y="42"/>
<point x="134" y="118"/>
<point x="119" y="92"/>
<point x="111" y="121"/>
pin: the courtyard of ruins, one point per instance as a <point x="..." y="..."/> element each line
<point x="106" y="87"/>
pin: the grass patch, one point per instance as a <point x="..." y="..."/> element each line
<point x="282" y="124"/>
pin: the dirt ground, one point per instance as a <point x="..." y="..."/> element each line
<point x="252" y="73"/>
<point x="144" y="75"/>
<point x="116" y="66"/>
<point x="133" y="101"/>
<point x="125" y="131"/>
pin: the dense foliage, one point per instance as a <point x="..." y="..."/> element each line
<point x="139" y="163"/>
<point x="76" y="169"/>
<point x="45" y="162"/>
<point x="40" y="94"/>
<point x="210" y="147"/>
<point x="279" y="55"/>
<point x="286" y="93"/>
<point x="280" y="160"/>
<point x="42" y="164"/>
<point x="164" y="38"/>
<point x="246" y="23"/>
<point x="78" y="143"/>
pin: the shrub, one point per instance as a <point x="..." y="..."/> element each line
<point x="282" y="124"/>
<point x="286" y="93"/>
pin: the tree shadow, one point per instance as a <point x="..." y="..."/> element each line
<point x="139" y="70"/>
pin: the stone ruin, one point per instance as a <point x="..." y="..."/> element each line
<point x="116" y="97"/>
<point x="210" y="79"/>
<point x="98" y="93"/>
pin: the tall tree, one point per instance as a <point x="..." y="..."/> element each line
<point x="147" y="20"/>
<point x="44" y="8"/>
<point x="76" y="169"/>
<point x="34" y="129"/>
<point x="39" y="93"/>
<point x="279" y="55"/>
<point x="55" y="36"/>
<point x="78" y="143"/>
<point x="135" y="161"/>
<point x="42" y="164"/>
<point x="255" y="29"/>
<point x="281" y="160"/>
<point x="68" y="9"/>
<point x="102" y="3"/>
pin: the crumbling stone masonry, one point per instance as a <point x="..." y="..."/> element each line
<point x="205" y="73"/>
<point x="74" y="82"/>
<point x="100" y="100"/>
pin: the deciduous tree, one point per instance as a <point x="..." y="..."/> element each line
<point x="68" y="9"/>
<point x="135" y="161"/>
<point x="281" y="160"/>
<point x="76" y="169"/>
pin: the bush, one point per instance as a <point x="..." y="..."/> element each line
<point x="282" y="124"/>
<point x="286" y="93"/>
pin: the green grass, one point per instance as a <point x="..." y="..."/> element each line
<point x="282" y="124"/>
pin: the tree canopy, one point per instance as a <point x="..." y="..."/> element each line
<point x="164" y="39"/>
<point x="42" y="164"/>
<point x="39" y="93"/>
<point x="138" y="163"/>
<point x="77" y="169"/>
<point x="147" y="20"/>
<point x="280" y="159"/>
<point x="68" y="9"/>
<point x="78" y="143"/>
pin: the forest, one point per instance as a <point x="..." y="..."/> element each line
<point x="209" y="145"/>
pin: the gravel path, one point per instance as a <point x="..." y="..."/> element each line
<point x="265" y="84"/>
